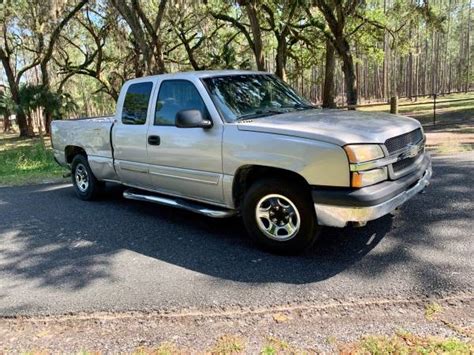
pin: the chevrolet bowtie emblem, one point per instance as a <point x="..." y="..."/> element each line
<point x="411" y="151"/>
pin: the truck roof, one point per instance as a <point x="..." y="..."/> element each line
<point x="199" y="74"/>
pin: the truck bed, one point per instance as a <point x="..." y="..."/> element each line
<point x="91" y="134"/>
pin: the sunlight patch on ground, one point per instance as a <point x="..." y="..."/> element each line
<point x="53" y="188"/>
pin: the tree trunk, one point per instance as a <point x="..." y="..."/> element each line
<point x="410" y="76"/>
<point x="14" y="87"/>
<point x="350" y="80"/>
<point x="468" y="49"/>
<point x="46" y="83"/>
<point x="281" y="58"/>
<point x="363" y="82"/>
<point x="386" y="59"/>
<point x="145" y="33"/>
<point x="348" y="68"/>
<point x="48" y="54"/>
<point x="40" y="127"/>
<point x="256" y="34"/>
<point x="30" y="131"/>
<point x="20" y="116"/>
<point x="156" y="64"/>
<point x="330" y="68"/>
<point x="22" y="124"/>
<point x="6" y="122"/>
<point x="48" y="117"/>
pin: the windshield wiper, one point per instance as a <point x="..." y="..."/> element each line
<point x="280" y="110"/>
<point x="300" y="106"/>
<point x="260" y="113"/>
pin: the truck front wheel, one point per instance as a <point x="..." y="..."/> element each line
<point x="86" y="186"/>
<point x="280" y="216"/>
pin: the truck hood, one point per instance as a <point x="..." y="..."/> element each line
<point x="333" y="126"/>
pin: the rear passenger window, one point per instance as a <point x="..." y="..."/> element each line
<point x="174" y="96"/>
<point x="135" y="106"/>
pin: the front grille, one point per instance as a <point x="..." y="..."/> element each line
<point x="399" y="142"/>
<point x="403" y="164"/>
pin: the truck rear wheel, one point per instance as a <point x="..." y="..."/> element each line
<point x="86" y="186"/>
<point x="280" y="216"/>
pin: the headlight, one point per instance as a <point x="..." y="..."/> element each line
<point x="358" y="153"/>
<point x="368" y="177"/>
<point x="363" y="172"/>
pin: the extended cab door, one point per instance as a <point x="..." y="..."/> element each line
<point x="185" y="161"/>
<point x="129" y="134"/>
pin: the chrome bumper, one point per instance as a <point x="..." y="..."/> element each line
<point x="339" y="216"/>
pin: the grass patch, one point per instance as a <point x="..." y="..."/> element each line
<point x="26" y="161"/>
<point x="422" y="109"/>
<point x="446" y="148"/>
<point x="276" y="346"/>
<point x="406" y="343"/>
<point x="432" y="309"/>
<point x="450" y="140"/>
<point x="401" y="343"/>
<point x="228" y="344"/>
<point x="165" y="348"/>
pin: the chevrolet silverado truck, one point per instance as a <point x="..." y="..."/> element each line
<point x="223" y="143"/>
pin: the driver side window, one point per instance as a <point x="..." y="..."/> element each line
<point x="174" y="96"/>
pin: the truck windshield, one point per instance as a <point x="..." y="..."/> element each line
<point x="245" y="96"/>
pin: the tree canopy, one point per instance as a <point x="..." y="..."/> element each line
<point x="332" y="51"/>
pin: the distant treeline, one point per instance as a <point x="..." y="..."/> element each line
<point x="333" y="51"/>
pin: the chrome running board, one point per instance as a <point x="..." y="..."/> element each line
<point x="178" y="203"/>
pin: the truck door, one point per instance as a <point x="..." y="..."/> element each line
<point x="184" y="161"/>
<point x="129" y="135"/>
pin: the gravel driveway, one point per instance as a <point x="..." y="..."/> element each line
<point x="60" y="255"/>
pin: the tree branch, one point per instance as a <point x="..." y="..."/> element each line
<point x="236" y="23"/>
<point x="55" y="34"/>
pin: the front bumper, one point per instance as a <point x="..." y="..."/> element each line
<point x="336" y="208"/>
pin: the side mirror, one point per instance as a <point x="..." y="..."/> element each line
<point x="191" y="119"/>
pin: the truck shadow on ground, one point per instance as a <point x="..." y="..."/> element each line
<point x="69" y="242"/>
<point x="49" y="237"/>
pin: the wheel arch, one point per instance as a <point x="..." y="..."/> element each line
<point x="71" y="151"/>
<point x="246" y="175"/>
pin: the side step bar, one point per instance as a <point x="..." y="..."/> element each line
<point x="196" y="207"/>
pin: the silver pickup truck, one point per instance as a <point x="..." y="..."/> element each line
<point x="222" y="143"/>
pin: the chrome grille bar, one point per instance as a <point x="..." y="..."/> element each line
<point x="400" y="142"/>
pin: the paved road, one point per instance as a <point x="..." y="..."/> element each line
<point x="60" y="255"/>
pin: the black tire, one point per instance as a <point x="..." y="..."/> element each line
<point x="88" y="187"/>
<point x="264" y="193"/>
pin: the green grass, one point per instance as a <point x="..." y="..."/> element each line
<point x="447" y="148"/>
<point x="422" y="109"/>
<point x="228" y="344"/>
<point x="277" y="346"/>
<point x="26" y="161"/>
<point x="432" y="309"/>
<point x="451" y="139"/>
<point x="400" y="343"/>
<point x="406" y="343"/>
<point x="165" y="348"/>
